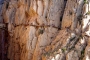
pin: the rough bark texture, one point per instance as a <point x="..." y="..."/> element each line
<point x="45" y="30"/>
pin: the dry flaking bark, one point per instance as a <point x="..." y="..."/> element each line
<point x="46" y="29"/>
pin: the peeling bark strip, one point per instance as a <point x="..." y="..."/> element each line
<point x="72" y="12"/>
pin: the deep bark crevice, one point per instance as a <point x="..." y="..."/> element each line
<point x="62" y="14"/>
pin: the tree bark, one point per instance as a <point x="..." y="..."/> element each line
<point x="37" y="29"/>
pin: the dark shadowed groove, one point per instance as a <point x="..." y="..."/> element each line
<point x="63" y="10"/>
<point x="2" y="35"/>
<point x="2" y="40"/>
<point x="65" y="2"/>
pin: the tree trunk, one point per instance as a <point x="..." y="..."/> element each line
<point x="38" y="29"/>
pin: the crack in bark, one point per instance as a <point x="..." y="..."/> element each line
<point x="36" y="25"/>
